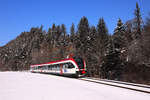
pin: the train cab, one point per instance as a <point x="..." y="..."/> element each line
<point x="81" y="66"/>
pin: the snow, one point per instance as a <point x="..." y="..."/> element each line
<point x="34" y="86"/>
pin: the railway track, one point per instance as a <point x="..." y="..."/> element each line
<point x="121" y="82"/>
<point x="125" y="85"/>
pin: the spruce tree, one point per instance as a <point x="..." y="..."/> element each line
<point x="53" y="28"/>
<point x="119" y="36"/>
<point x="63" y="30"/>
<point x="102" y="30"/>
<point x="72" y="32"/>
<point x="114" y="62"/>
<point x="137" y="22"/>
<point x="58" y="32"/>
<point x="53" y="33"/>
<point x="93" y="33"/>
<point x="112" y="66"/>
<point x="49" y="35"/>
<point x="83" y="32"/>
<point x="102" y="37"/>
<point x="83" y="28"/>
<point x="63" y="37"/>
<point x="93" y="65"/>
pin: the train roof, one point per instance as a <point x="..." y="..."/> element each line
<point x="52" y="62"/>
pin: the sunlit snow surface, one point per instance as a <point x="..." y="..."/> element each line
<point x="33" y="86"/>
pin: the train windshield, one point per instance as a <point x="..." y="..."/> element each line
<point x="80" y="62"/>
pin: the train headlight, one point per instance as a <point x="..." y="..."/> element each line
<point x="83" y="72"/>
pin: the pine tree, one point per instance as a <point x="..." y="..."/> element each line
<point x="112" y="66"/>
<point x="63" y="30"/>
<point x="58" y="33"/>
<point x="93" y="33"/>
<point x="114" y="62"/>
<point x="137" y="22"/>
<point x="54" y="28"/>
<point x="83" y="32"/>
<point x="83" y="28"/>
<point x="93" y="67"/>
<point x="102" y="30"/>
<point x="72" y="32"/>
<point x="91" y="41"/>
<point x="63" y="37"/>
<point x="49" y="36"/>
<point x="119" y="36"/>
<point x="53" y="33"/>
<point x="102" y="38"/>
<point x="41" y="33"/>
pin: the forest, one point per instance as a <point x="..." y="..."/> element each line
<point x="123" y="55"/>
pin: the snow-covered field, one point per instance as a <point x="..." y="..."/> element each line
<point x="33" y="86"/>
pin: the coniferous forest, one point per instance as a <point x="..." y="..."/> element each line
<point x="123" y="55"/>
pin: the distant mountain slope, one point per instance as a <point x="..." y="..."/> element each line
<point x="31" y="48"/>
<point x="16" y="55"/>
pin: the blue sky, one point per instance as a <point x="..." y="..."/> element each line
<point x="17" y="16"/>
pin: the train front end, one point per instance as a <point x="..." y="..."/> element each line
<point x="81" y="67"/>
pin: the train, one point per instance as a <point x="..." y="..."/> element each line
<point x="72" y="66"/>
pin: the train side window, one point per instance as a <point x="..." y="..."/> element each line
<point x="52" y="67"/>
<point x="64" y="66"/>
<point x="46" y="67"/>
<point x="70" y="65"/>
<point x="55" y="67"/>
<point x="49" y="67"/>
<point x="42" y="67"/>
<point x="58" y="67"/>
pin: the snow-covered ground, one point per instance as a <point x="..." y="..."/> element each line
<point x="33" y="86"/>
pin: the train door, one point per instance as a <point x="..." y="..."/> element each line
<point x="61" y="69"/>
<point x="70" y="68"/>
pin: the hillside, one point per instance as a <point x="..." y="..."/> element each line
<point x="28" y="48"/>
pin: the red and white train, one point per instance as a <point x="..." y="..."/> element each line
<point x="74" y="66"/>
